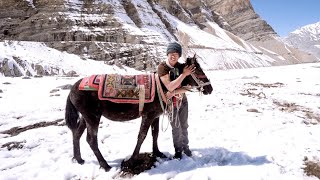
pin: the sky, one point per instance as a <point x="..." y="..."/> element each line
<point x="286" y="16"/>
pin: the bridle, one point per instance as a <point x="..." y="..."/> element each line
<point x="200" y="83"/>
<point x="197" y="77"/>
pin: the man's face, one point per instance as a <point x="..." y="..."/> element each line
<point x="173" y="58"/>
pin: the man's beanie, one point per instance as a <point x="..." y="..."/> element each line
<point x="174" y="47"/>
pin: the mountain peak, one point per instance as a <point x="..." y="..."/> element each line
<point x="306" y="38"/>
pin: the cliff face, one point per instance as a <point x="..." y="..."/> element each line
<point x="244" y="22"/>
<point x="135" y="33"/>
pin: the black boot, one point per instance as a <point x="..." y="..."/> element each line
<point x="187" y="152"/>
<point x="177" y="155"/>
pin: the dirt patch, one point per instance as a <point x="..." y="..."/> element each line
<point x="312" y="167"/>
<point x="266" y="85"/>
<point x="285" y="106"/>
<point x="310" y="94"/>
<point x="17" y="130"/>
<point x="13" y="145"/>
<point x="310" y="117"/>
<point x="145" y="161"/>
<point x="250" y="93"/>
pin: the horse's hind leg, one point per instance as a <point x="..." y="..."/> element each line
<point x="77" y="133"/>
<point x="92" y="131"/>
<point x="155" y="134"/>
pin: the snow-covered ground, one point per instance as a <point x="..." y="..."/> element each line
<point x="257" y="124"/>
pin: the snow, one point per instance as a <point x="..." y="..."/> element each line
<point x="39" y="53"/>
<point x="306" y="38"/>
<point x="227" y="140"/>
<point x="258" y="123"/>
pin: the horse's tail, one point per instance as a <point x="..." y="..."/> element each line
<point x="71" y="115"/>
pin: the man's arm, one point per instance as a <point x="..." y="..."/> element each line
<point x="172" y="85"/>
<point x="177" y="91"/>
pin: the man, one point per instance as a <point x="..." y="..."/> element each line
<point x="172" y="73"/>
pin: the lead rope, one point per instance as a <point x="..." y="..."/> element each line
<point x="165" y="112"/>
<point x="177" y="120"/>
<point x="169" y="111"/>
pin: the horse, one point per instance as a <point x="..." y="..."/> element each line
<point x="92" y="108"/>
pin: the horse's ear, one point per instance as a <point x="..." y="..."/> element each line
<point x="188" y="60"/>
<point x="193" y="59"/>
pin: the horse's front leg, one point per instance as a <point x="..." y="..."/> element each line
<point x="144" y="127"/>
<point x="155" y="134"/>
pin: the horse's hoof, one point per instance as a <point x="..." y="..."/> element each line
<point x="160" y="155"/>
<point x="80" y="161"/>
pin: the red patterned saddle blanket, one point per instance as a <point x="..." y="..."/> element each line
<point x="121" y="88"/>
<point x="90" y="83"/>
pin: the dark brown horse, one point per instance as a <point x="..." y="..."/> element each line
<point x="91" y="109"/>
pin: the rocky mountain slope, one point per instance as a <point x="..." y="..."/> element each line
<point x="306" y="38"/>
<point x="224" y="33"/>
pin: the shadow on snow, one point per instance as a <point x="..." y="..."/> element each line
<point x="207" y="157"/>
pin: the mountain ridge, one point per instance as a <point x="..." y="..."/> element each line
<point x="306" y="38"/>
<point x="135" y="33"/>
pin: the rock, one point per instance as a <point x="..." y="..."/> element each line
<point x="72" y="74"/>
<point x="65" y="87"/>
<point x="54" y="90"/>
<point x="253" y="110"/>
<point x="95" y="32"/>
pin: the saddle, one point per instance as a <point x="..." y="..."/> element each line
<point x="135" y="89"/>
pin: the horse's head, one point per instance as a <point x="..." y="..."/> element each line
<point x="198" y="79"/>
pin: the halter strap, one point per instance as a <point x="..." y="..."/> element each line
<point x="200" y="83"/>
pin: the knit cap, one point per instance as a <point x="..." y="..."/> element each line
<point x="174" y="47"/>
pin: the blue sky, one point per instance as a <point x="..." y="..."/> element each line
<point x="286" y="16"/>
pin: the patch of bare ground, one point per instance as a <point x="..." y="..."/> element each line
<point x="13" y="145"/>
<point x="266" y="85"/>
<point x="310" y="117"/>
<point x="310" y="94"/>
<point x="250" y="92"/>
<point x="144" y="162"/>
<point x="17" y="130"/>
<point x="311" y="167"/>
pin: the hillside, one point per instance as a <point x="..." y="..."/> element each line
<point x="224" y="34"/>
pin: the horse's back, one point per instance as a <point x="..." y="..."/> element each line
<point x="88" y="102"/>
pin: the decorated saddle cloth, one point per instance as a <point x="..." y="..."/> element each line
<point x="90" y="83"/>
<point x="121" y="88"/>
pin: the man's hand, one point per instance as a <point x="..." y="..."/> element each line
<point x="188" y="70"/>
<point x="169" y="94"/>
